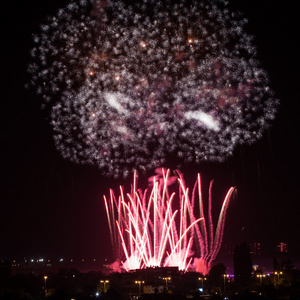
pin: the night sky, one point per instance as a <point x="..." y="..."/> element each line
<point x="51" y="207"/>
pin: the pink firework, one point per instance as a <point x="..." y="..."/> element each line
<point x="209" y="242"/>
<point x="148" y="232"/>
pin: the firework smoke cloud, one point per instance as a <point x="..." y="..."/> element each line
<point x="129" y="85"/>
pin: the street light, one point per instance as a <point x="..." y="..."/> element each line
<point x="260" y="276"/>
<point x="45" y="278"/>
<point x="201" y="278"/>
<point x="139" y="282"/>
<point x="104" y="283"/>
<point x="166" y="279"/>
<point x="278" y="273"/>
<point x="224" y="276"/>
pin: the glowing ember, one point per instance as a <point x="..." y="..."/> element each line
<point x="147" y="231"/>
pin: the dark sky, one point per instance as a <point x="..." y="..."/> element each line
<point x="52" y="207"/>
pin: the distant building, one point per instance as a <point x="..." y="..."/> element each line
<point x="255" y="248"/>
<point x="282" y="247"/>
<point x="153" y="288"/>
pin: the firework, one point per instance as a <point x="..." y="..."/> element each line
<point x="129" y="85"/>
<point x="146" y="231"/>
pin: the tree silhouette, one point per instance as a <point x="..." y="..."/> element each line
<point x="215" y="276"/>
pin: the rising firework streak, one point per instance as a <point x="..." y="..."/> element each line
<point x="146" y="230"/>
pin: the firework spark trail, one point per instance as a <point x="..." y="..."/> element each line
<point x="129" y="85"/>
<point x="151" y="233"/>
<point x="210" y="243"/>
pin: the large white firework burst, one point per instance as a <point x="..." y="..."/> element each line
<point x="130" y="84"/>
